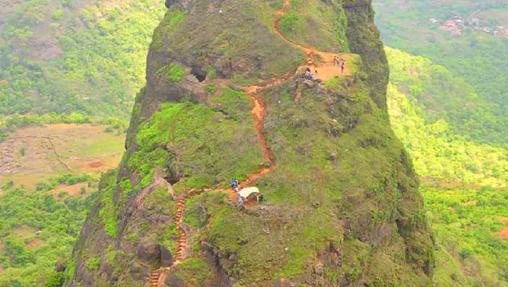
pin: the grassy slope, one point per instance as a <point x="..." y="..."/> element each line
<point x="315" y="24"/>
<point x="305" y="193"/>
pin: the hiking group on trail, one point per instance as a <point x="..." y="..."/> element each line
<point x="339" y="62"/>
<point x="245" y="193"/>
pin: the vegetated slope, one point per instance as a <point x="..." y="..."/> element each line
<point x="477" y="57"/>
<point x="38" y="230"/>
<point x="458" y="176"/>
<point x="423" y="101"/>
<point x="468" y="225"/>
<point x="74" y="56"/>
<point x="342" y="204"/>
<point x="48" y="175"/>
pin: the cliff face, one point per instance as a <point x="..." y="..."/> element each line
<point x="226" y="97"/>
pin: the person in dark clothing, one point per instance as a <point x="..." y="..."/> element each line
<point x="234" y="183"/>
<point x="308" y="74"/>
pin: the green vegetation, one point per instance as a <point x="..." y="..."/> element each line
<point x="242" y="42"/>
<point x="443" y="96"/>
<point x="465" y="223"/>
<point x="315" y="23"/>
<point x="93" y="263"/>
<point x="439" y="153"/>
<point x="173" y="72"/>
<point x="37" y="231"/>
<point x="171" y="21"/>
<point x="314" y="180"/>
<point x="194" y="272"/>
<point x="108" y="212"/>
<point x="180" y="138"/>
<point x="65" y="57"/>
<point x="475" y="59"/>
<point x="465" y="216"/>
<point x="10" y="123"/>
<point x="449" y="116"/>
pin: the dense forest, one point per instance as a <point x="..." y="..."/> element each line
<point x="83" y="61"/>
<point x="463" y="182"/>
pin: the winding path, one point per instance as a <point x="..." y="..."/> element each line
<point x="323" y="63"/>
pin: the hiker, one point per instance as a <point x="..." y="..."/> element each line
<point x="336" y="61"/>
<point x="342" y="65"/>
<point x="241" y="201"/>
<point x="308" y="74"/>
<point x="234" y="183"/>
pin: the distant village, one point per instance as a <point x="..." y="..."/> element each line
<point x="457" y="25"/>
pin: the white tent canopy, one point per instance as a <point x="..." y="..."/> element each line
<point x="248" y="191"/>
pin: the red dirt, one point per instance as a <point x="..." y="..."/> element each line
<point x="503" y="234"/>
<point x="95" y="164"/>
<point x="322" y="62"/>
<point x="326" y="70"/>
<point x="34" y="243"/>
<point x="71" y="190"/>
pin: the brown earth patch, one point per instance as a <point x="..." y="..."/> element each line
<point x="33" y="244"/>
<point x="503" y="234"/>
<point x="24" y="231"/>
<point x="95" y="164"/>
<point x="71" y="190"/>
<point x="34" y="154"/>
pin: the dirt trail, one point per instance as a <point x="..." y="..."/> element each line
<point x="324" y="64"/>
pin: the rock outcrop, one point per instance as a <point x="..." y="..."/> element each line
<point x="341" y="207"/>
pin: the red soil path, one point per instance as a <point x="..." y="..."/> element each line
<point x="323" y="63"/>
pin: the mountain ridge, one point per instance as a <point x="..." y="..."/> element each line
<point x="342" y="206"/>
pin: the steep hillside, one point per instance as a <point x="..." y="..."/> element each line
<point x="422" y="100"/>
<point x="466" y="213"/>
<point x="470" y="39"/>
<point x="61" y="56"/>
<point x="48" y="176"/>
<point x="226" y="97"/>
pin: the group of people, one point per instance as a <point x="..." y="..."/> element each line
<point x="245" y="193"/>
<point x="235" y="185"/>
<point x="338" y="61"/>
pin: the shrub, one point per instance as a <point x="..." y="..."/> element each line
<point x="93" y="263"/>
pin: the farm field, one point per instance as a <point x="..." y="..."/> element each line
<point x="34" y="154"/>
